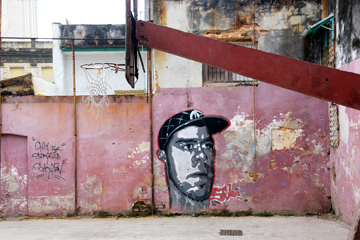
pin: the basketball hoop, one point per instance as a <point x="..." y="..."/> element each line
<point x="97" y="77"/>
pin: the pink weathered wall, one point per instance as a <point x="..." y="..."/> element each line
<point x="114" y="152"/>
<point x="292" y="148"/>
<point x="345" y="163"/>
<point x="113" y="157"/>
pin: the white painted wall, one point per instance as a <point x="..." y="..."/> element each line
<point x="176" y="72"/>
<point x="172" y="71"/>
<point x="19" y="18"/>
<point x="63" y="70"/>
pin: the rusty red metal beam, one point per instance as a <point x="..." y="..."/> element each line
<point x="314" y="80"/>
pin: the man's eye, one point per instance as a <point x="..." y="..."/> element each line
<point x="207" y="145"/>
<point x="188" y="147"/>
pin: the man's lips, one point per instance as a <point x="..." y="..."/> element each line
<point x="203" y="178"/>
<point x="197" y="175"/>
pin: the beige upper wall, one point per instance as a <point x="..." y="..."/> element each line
<point x="287" y="25"/>
<point x="171" y="71"/>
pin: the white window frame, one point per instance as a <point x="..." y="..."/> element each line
<point x="44" y="66"/>
<point x="8" y="67"/>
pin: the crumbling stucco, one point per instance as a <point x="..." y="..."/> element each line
<point x="51" y="205"/>
<point x="284" y="138"/>
<point x="11" y="181"/>
<point x="243" y="33"/>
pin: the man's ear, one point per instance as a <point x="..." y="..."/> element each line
<point x="161" y="155"/>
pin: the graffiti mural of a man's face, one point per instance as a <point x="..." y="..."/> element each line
<point x="191" y="156"/>
<point x="187" y="149"/>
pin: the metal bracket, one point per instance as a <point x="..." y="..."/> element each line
<point x="321" y="25"/>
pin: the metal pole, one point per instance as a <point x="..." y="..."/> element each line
<point x="75" y="130"/>
<point x="151" y="135"/>
<point x="151" y="127"/>
<point x="254" y="119"/>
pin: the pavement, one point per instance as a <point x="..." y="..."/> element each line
<point x="179" y="227"/>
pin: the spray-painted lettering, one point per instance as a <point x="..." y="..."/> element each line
<point x="225" y="193"/>
<point x="52" y="169"/>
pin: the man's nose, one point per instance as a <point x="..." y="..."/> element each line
<point x="200" y="154"/>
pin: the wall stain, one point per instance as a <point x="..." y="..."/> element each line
<point x="163" y="14"/>
<point x="243" y="33"/>
<point x="272" y="164"/>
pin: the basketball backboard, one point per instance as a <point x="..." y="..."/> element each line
<point x="131" y="45"/>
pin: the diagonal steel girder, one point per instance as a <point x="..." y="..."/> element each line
<point x="311" y="79"/>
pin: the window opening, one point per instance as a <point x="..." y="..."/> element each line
<point x="216" y="75"/>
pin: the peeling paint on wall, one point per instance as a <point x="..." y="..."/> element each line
<point x="14" y="176"/>
<point x="141" y="191"/>
<point x="344" y="123"/>
<point x="243" y="33"/>
<point x="160" y="181"/>
<point x="290" y="129"/>
<point x="12" y="185"/>
<point x="240" y="142"/>
<point x="11" y="181"/>
<point x="92" y="185"/>
<point x="51" y="204"/>
<point x="284" y="138"/>
<point x="278" y="135"/>
<point x="345" y="164"/>
<point x="140" y="153"/>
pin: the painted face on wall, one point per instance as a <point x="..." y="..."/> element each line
<point x="186" y="146"/>
<point x="190" y="159"/>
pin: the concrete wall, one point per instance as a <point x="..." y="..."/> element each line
<point x="344" y="162"/>
<point x="292" y="148"/>
<point x="37" y="168"/>
<point x="347" y="31"/>
<point x="292" y="145"/>
<point x="284" y="169"/>
<point x="285" y="22"/>
<point x="114" y="153"/>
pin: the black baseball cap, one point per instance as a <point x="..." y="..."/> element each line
<point x="214" y="124"/>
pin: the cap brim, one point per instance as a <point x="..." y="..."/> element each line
<point x="215" y="124"/>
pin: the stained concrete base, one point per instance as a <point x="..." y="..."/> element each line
<point x="183" y="227"/>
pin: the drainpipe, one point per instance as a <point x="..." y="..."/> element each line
<point x="254" y="119"/>
<point x="151" y="127"/>
<point x="151" y="136"/>
<point x="75" y="130"/>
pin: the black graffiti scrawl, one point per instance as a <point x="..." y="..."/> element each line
<point x="48" y="161"/>
<point x="186" y="146"/>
